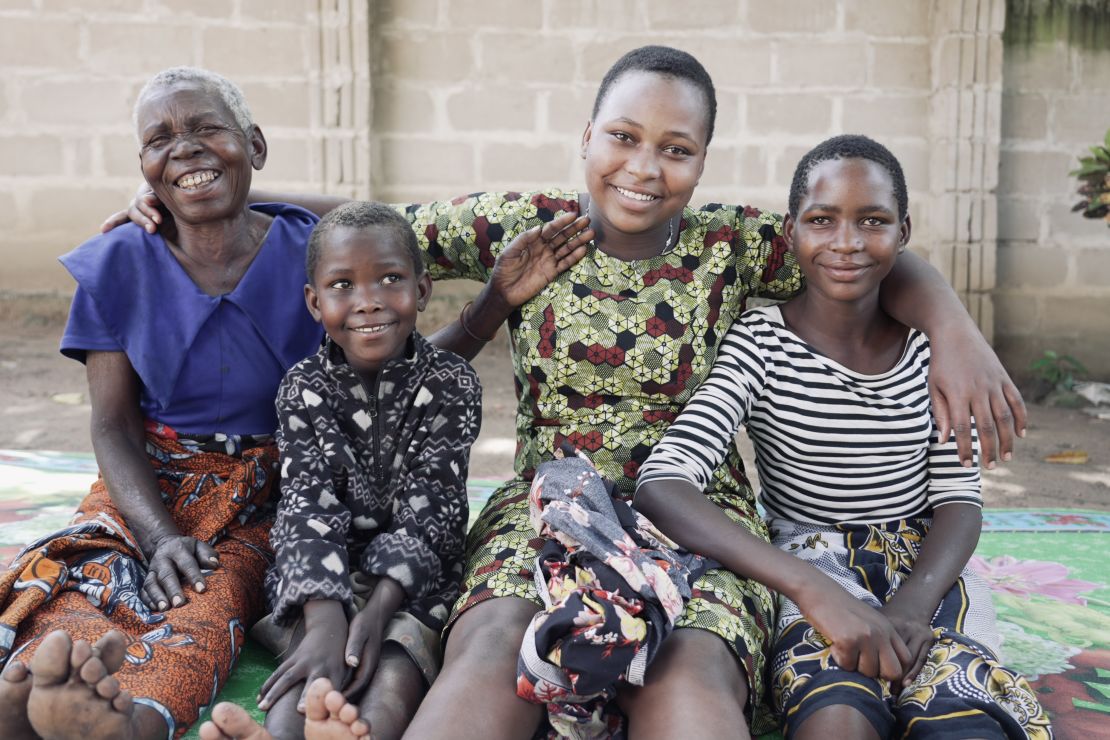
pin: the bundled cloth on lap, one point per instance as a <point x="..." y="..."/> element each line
<point x="612" y="585"/>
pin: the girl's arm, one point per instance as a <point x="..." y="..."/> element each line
<point x="944" y="554"/>
<point x="965" y="379"/>
<point x="862" y="639"/>
<point x="119" y="441"/>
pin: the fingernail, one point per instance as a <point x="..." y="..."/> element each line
<point x="161" y="605"/>
<point x="1021" y="432"/>
<point x="199" y="587"/>
<point x="990" y="465"/>
<point x="1008" y="456"/>
<point x="177" y="600"/>
<point x="352" y="660"/>
<point x="965" y="463"/>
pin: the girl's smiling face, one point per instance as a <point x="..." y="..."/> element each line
<point x="644" y="151"/>
<point x="366" y="293"/>
<point x="847" y="233"/>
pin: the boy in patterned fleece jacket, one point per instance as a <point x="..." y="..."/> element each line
<point x="375" y="436"/>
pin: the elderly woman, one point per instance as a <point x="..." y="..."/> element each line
<point x="185" y="337"/>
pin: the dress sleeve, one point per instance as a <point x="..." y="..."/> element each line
<point x="461" y="238"/>
<point x="85" y="330"/>
<point x="698" y="440"/>
<point x="310" y="532"/>
<point x="423" y="548"/>
<point x="766" y="266"/>
<point x="950" y="482"/>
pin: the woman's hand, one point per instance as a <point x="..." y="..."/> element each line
<point x="144" y="209"/>
<point x="914" y="629"/>
<point x="967" y="380"/>
<point x="534" y="258"/>
<point x="318" y="655"/>
<point x="173" y="555"/>
<point x="861" y="638"/>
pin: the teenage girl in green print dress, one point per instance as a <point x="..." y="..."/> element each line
<point x="605" y="354"/>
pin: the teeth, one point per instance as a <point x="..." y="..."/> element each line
<point x="196" y="179"/>
<point x="635" y="196"/>
<point x="371" y="329"/>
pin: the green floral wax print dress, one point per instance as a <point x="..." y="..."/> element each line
<point x="605" y="357"/>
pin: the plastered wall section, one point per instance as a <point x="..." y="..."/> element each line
<point x="69" y="75"/>
<point x="1053" y="266"/>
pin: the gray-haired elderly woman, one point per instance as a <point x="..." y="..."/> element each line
<point x="127" y="622"/>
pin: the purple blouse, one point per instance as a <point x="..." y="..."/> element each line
<point x="206" y="363"/>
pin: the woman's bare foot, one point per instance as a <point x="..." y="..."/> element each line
<point x="232" y="722"/>
<point x="73" y="694"/>
<point x="15" y="687"/>
<point x="329" y="716"/>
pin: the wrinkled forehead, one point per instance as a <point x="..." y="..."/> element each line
<point x="181" y="99"/>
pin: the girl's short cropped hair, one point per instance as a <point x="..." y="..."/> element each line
<point x="213" y="83"/>
<point x="362" y="215"/>
<point x="669" y="62"/>
<point x="848" y="146"/>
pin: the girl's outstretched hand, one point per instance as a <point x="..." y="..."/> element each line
<point x="966" y="380"/>
<point x="144" y="209"/>
<point x="534" y="258"/>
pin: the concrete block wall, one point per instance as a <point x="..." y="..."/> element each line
<point x="1053" y="265"/>
<point x="473" y="94"/>
<point x="69" y="75"/>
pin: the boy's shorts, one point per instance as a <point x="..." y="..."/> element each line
<point x="420" y="642"/>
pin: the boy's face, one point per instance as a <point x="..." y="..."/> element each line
<point x="847" y="234"/>
<point x="366" y="294"/>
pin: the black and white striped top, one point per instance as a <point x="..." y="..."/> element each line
<point x="832" y="445"/>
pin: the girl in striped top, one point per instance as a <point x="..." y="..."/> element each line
<point x="873" y="518"/>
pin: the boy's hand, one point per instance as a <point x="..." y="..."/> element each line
<point x="913" y="626"/>
<point x="364" y="638"/>
<point x="862" y="639"/>
<point x="144" y="209"/>
<point x="173" y="555"/>
<point x="534" y="258"/>
<point x="318" y="655"/>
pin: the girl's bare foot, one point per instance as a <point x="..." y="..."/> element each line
<point x="15" y="687"/>
<point x="73" y="694"/>
<point x="232" y="722"/>
<point x="329" y="716"/>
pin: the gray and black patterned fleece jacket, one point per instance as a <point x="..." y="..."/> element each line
<point x="374" y="479"/>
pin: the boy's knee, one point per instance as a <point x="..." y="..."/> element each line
<point x="489" y="632"/>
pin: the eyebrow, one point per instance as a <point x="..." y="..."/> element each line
<point x="636" y="124"/>
<point x="837" y="209"/>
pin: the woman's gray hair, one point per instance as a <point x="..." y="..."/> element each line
<point x="216" y="84"/>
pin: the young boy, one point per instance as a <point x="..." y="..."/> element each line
<point x="881" y="628"/>
<point x="375" y="436"/>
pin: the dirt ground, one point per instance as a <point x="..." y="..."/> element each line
<point x="43" y="405"/>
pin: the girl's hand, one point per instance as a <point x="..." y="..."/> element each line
<point x="173" y="555"/>
<point x="966" y="380"/>
<point x="914" y="628"/>
<point x="318" y="655"/>
<point x="861" y="638"/>
<point x="144" y="209"/>
<point x="534" y="258"/>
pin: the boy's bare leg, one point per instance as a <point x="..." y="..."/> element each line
<point x="74" y="695"/>
<point x="479" y="670"/>
<point x="394" y="695"/>
<point x="850" y="724"/>
<point x="283" y="721"/>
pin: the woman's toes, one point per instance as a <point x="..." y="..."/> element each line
<point x="112" y="650"/>
<point x="50" y="665"/>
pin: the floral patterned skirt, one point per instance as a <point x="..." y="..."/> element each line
<point x="962" y="691"/>
<point x="501" y="558"/>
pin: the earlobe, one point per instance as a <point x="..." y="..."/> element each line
<point x="311" y="302"/>
<point x="424" y="288"/>
<point x="586" y="139"/>
<point x="259" y="148"/>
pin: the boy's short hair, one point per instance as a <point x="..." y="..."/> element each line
<point x="361" y="215"/>
<point x="848" y="146"/>
<point x="669" y="62"/>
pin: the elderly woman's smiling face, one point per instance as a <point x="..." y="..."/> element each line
<point x="194" y="155"/>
